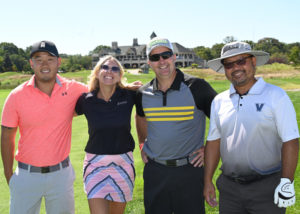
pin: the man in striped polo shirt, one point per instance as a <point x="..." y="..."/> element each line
<point x="171" y="115"/>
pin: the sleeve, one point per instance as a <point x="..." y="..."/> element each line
<point x="79" y="104"/>
<point x="133" y="95"/>
<point x="285" y="117"/>
<point x="10" y="116"/>
<point x="138" y="104"/>
<point x="214" y="131"/>
<point x="80" y="87"/>
<point x="203" y="95"/>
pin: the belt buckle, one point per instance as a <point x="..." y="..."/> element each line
<point x="65" y="163"/>
<point x="171" y="163"/>
<point x="45" y="169"/>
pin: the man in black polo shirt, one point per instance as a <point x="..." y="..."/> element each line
<point x="171" y="114"/>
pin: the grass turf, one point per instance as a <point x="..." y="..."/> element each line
<point x="79" y="138"/>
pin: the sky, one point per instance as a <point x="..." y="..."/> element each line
<point x="79" y="26"/>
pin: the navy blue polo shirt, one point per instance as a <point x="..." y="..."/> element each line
<point x="108" y="122"/>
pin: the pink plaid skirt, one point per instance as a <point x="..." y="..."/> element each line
<point x="109" y="176"/>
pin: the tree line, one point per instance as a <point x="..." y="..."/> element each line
<point x="279" y="52"/>
<point x="16" y="59"/>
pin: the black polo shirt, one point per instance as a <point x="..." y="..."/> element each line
<point x="108" y="122"/>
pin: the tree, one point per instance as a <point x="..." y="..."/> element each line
<point x="270" y="45"/>
<point x="27" y="67"/>
<point x="194" y="65"/>
<point x="216" y="50"/>
<point x="14" y="58"/>
<point x="1" y="64"/>
<point x="98" y="49"/>
<point x="75" y="63"/>
<point x="19" y="62"/>
<point x="203" y="52"/>
<point x="294" y="55"/>
<point x="86" y="62"/>
<point x="27" y="52"/>
<point x="291" y="45"/>
<point x="75" y="67"/>
<point x="279" y="58"/>
<point x="251" y="43"/>
<point x="229" y="39"/>
<point x="9" y="48"/>
<point x="7" y="64"/>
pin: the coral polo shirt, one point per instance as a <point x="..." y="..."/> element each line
<point x="44" y="122"/>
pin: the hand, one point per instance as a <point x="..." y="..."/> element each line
<point x="197" y="157"/>
<point x="144" y="156"/>
<point x="210" y="194"/>
<point x="8" y="176"/>
<point x="284" y="195"/>
<point x="134" y="85"/>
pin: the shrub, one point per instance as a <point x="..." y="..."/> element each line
<point x="194" y="65"/>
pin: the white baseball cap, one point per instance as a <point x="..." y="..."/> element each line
<point x="157" y="42"/>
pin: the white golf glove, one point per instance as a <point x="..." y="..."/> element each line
<point x="284" y="195"/>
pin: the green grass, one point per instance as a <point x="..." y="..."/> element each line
<point x="275" y="68"/>
<point x="79" y="138"/>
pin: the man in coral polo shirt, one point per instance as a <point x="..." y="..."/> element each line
<point x="42" y="108"/>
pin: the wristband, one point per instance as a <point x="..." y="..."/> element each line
<point x="141" y="146"/>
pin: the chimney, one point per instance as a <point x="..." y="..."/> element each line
<point x="135" y="42"/>
<point x="114" y="45"/>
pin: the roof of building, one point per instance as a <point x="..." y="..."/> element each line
<point x="178" y="48"/>
<point x="141" y="50"/>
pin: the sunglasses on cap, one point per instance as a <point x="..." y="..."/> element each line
<point x="240" y="62"/>
<point x="164" y="55"/>
<point x="114" y="69"/>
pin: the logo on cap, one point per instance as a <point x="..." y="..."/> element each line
<point x="43" y="44"/>
<point x="162" y="41"/>
<point x="156" y="42"/>
<point x="236" y="46"/>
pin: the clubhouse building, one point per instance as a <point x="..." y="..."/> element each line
<point x="134" y="56"/>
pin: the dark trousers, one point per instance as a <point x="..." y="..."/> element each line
<point x="256" y="197"/>
<point x="177" y="190"/>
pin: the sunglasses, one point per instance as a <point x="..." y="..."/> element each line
<point x="240" y="62"/>
<point x="164" y="55"/>
<point x="114" y="69"/>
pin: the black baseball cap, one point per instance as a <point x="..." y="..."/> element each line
<point x="44" y="46"/>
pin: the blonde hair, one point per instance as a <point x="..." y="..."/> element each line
<point x="93" y="82"/>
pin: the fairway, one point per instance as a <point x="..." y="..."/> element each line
<point x="80" y="136"/>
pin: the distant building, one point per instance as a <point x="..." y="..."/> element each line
<point x="134" y="56"/>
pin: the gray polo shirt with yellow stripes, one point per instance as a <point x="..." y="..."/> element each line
<point x="175" y="118"/>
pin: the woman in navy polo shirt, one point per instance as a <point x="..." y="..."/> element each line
<point x="108" y="166"/>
